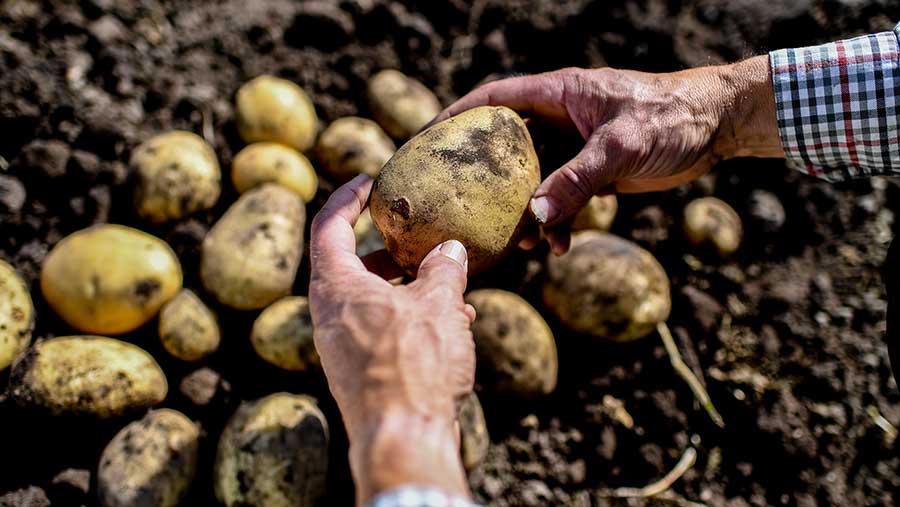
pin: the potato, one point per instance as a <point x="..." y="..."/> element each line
<point x="16" y="315"/>
<point x="515" y="347"/>
<point x="187" y="328"/>
<point x="283" y="335"/>
<point x="607" y="287"/>
<point x="368" y="239"/>
<point x="277" y="110"/>
<point x="152" y="461"/>
<point x="272" y="162"/>
<point x="352" y="145"/>
<point x="87" y="375"/>
<point x="474" y="439"/>
<point x="250" y="256"/>
<point x="598" y="214"/>
<point x="712" y="222"/>
<point x="109" y="279"/>
<point x="468" y="178"/>
<point x="274" y="453"/>
<point x="401" y="104"/>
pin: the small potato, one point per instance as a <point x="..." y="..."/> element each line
<point x="353" y="145"/>
<point x="598" y="214"/>
<point x="272" y="162"/>
<point x="16" y="315"/>
<point x="273" y="453"/>
<point x="283" y="335"/>
<point x="712" y="222"/>
<point x="87" y="375"/>
<point x="515" y="347"/>
<point x="188" y="328"/>
<point x="277" y="110"/>
<point x="400" y="104"/>
<point x="152" y="461"/>
<point x="607" y="287"/>
<point x="177" y="173"/>
<point x="474" y="438"/>
<point x="250" y="256"/>
<point x="368" y="239"/>
<point x="109" y="279"/>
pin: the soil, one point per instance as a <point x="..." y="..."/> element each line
<point x="788" y="335"/>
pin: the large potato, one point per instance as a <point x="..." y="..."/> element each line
<point x="277" y="110"/>
<point x="150" y="462"/>
<point x="283" y="335"/>
<point x="352" y="145"/>
<point x="607" y="287"/>
<point x="272" y="162"/>
<point x="273" y="453"/>
<point x="109" y="279"/>
<point x="401" y="104"/>
<point x="187" y="328"/>
<point x="16" y="315"/>
<point x="87" y="375"/>
<point x="468" y="178"/>
<point x="515" y="347"/>
<point x="598" y="214"/>
<point x="474" y="440"/>
<point x="176" y="174"/>
<point x="712" y="222"/>
<point x="250" y="256"/>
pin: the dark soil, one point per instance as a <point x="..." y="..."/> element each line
<point x="788" y="335"/>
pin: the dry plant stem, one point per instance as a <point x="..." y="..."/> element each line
<point x="685" y="373"/>
<point x="676" y="499"/>
<point x="684" y="464"/>
<point x="890" y="432"/>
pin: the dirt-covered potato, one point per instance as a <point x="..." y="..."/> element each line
<point x="187" y="328"/>
<point x="400" y="104"/>
<point x="515" y="347"/>
<point x="273" y="453"/>
<point x="91" y="375"/>
<point x="109" y="279"/>
<point x="607" y="287"/>
<point x="353" y="145"/>
<point x="474" y="439"/>
<point x="712" y="222"/>
<point x="277" y="110"/>
<point x="598" y="214"/>
<point x="250" y="256"/>
<point x="468" y="178"/>
<point x="273" y="162"/>
<point x="283" y="335"/>
<point x="16" y="315"/>
<point x="368" y="239"/>
<point x="149" y="462"/>
<point x="176" y="174"/>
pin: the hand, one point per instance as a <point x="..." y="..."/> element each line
<point x="396" y="357"/>
<point x="642" y="132"/>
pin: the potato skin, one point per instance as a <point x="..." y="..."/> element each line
<point x="607" y="287"/>
<point x="711" y="221"/>
<point x="273" y="453"/>
<point x="400" y="104"/>
<point x="150" y="462"/>
<point x="353" y="145"/>
<point x="250" y="256"/>
<point x="273" y="162"/>
<point x="277" y="110"/>
<point x="598" y="214"/>
<point x="109" y="279"/>
<point x="87" y="375"/>
<point x="187" y="328"/>
<point x="468" y="178"/>
<point x="515" y="348"/>
<point x="473" y="434"/>
<point x="283" y="335"/>
<point x="16" y="315"/>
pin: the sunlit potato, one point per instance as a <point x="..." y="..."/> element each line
<point x="283" y="335"/>
<point x="400" y="104"/>
<point x="351" y="146"/>
<point x="473" y="433"/>
<point x="16" y="315"/>
<point x="188" y="328"/>
<point x="265" y="162"/>
<point x="599" y="214"/>
<point x="713" y="223"/>
<point x="274" y="109"/>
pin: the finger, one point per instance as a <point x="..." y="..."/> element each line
<point x="446" y="266"/>
<point x="532" y="235"/>
<point x="380" y="263"/>
<point x="560" y="237"/>
<point x="470" y="313"/>
<point x="332" y="241"/>
<point x="568" y="189"/>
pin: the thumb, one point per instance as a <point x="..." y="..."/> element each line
<point x="446" y="266"/>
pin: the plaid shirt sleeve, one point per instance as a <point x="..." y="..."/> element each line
<point x="837" y="106"/>
<point x="415" y="496"/>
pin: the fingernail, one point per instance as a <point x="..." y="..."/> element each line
<point x="543" y="209"/>
<point x="455" y="250"/>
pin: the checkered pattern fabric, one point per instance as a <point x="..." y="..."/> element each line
<point x="837" y="106"/>
<point x="414" y="496"/>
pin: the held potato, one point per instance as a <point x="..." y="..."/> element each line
<point x="353" y="145"/>
<point x="401" y="104"/>
<point x="16" y="315"/>
<point x="109" y="279"/>
<point x="273" y="453"/>
<point x="91" y="375"/>
<point x="468" y="178"/>
<point x="712" y="222"/>
<point x="149" y="462"/>
<point x="187" y="328"/>
<point x="272" y="162"/>
<point x="176" y="174"/>
<point x="277" y="110"/>
<point x="474" y="439"/>
<point x="598" y="214"/>
<point x="283" y="335"/>
<point x="515" y="347"/>
<point x="250" y="256"/>
<point x="607" y="287"/>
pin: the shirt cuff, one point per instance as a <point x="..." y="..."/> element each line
<point x="418" y="496"/>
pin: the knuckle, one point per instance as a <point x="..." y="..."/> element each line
<point x="578" y="183"/>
